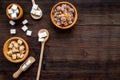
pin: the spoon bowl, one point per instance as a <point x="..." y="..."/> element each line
<point x="35" y="16"/>
<point x="44" y="30"/>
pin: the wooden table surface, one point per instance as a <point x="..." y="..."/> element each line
<point x="88" y="51"/>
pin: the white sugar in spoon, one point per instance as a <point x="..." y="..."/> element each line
<point x="42" y="49"/>
<point x="35" y="16"/>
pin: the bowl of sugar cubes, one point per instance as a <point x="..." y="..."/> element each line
<point x="15" y="49"/>
<point x="14" y="11"/>
<point x="64" y="15"/>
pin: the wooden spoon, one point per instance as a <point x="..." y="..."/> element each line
<point x="41" y="53"/>
<point x="35" y="16"/>
<point x="24" y="67"/>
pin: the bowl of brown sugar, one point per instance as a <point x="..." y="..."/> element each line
<point x="64" y="15"/>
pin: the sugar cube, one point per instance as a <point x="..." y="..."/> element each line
<point x="22" y="55"/>
<point x="28" y="62"/>
<point x="14" y="56"/>
<point x="14" y="7"/>
<point x="43" y="34"/>
<point x="10" y="11"/>
<point x="16" y="11"/>
<point x="40" y="39"/>
<point x="29" y="33"/>
<point x="33" y="11"/>
<point x="18" y="55"/>
<point x="35" y="6"/>
<point x="25" y="21"/>
<point x="12" y="22"/>
<point x="12" y="31"/>
<point x="24" y="28"/>
<point x="19" y="42"/>
<point x="38" y="13"/>
<point x="14" y="15"/>
<point x="24" y="67"/>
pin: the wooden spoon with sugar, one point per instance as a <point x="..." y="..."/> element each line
<point x="36" y="16"/>
<point x="45" y="38"/>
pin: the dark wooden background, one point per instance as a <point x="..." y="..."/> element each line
<point x="88" y="51"/>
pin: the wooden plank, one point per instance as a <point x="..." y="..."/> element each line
<point x="88" y="51"/>
<point x="79" y="75"/>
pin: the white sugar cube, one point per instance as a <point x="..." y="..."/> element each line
<point x="35" y="6"/>
<point x="38" y="13"/>
<point x="25" y="22"/>
<point x="14" y="15"/>
<point x="24" y="67"/>
<point x="40" y="39"/>
<point x="14" y="7"/>
<point x="33" y="11"/>
<point x="16" y="11"/>
<point x="24" y="28"/>
<point x="12" y="22"/>
<point x="43" y="34"/>
<point x="29" y="33"/>
<point x="10" y="11"/>
<point x="28" y="62"/>
<point x="12" y="31"/>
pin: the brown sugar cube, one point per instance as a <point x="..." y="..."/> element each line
<point x="22" y="55"/>
<point x="12" y="42"/>
<point x="16" y="45"/>
<point x="14" y="50"/>
<point x="18" y="55"/>
<point x="21" y="48"/>
<point x="14" y="56"/>
<point x="19" y="42"/>
<point x="9" y="53"/>
<point x="10" y="46"/>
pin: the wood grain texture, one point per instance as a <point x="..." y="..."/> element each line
<point x="88" y="51"/>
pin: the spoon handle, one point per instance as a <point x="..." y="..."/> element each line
<point x="33" y="2"/>
<point x="40" y="61"/>
<point x="17" y="73"/>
